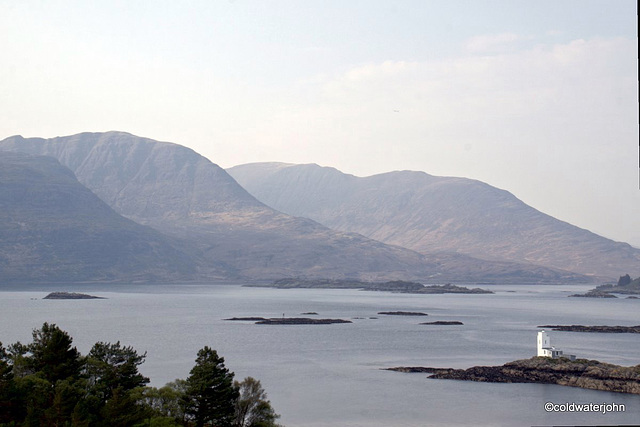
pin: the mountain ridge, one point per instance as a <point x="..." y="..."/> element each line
<point x="53" y="229"/>
<point x="424" y="213"/>
<point x="180" y="193"/>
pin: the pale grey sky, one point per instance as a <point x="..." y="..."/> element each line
<point x="535" y="97"/>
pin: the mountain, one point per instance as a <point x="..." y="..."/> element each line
<point x="180" y="193"/>
<point x="427" y="213"/>
<point x="54" y="229"/>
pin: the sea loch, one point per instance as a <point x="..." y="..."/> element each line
<point x="329" y="375"/>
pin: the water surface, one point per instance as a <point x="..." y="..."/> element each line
<point x="329" y="375"/>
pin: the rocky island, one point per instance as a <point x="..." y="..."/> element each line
<point x="597" y="328"/>
<point x="70" y="295"/>
<point x="288" y="321"/>
<point x="594" y="293"/>
<point x="418" y="369"/>
<point x="300" y="321"/>
<point x="403" y="313"/>
<point x="625" y="286"/>
<point x="590" y="374"/>
<point x="443" y="322"/>
<point x="396" y="286"/>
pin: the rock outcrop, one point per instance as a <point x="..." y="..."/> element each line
<point x="590" y="374"/>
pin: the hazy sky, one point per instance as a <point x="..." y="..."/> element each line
<point x="536" y="97"/>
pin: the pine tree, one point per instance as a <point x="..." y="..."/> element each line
<point x="53" y="355"/>
<point x="210" y="397"/>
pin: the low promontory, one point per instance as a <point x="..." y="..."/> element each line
<point x="396" y="286"/>
<point x="590" y="374"/>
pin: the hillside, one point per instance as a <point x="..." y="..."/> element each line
<point x="55" y="230"/>
<point x="178" y="192"/>
<point x="427" y="213"/>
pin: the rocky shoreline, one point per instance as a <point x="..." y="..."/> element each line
<point x="589" y="374"/>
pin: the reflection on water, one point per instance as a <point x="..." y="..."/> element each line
<point x="329" y="375"/>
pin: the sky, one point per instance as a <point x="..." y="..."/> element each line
<point x="539" y="98"/>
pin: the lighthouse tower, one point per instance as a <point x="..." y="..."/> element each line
<point x="545" y="349"/>
<point x="544" y="344"/>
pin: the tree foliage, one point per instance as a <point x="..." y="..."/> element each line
<point x="252" y="407"/>
<point x="49" y="383"/>
<point x="210" y="395"/>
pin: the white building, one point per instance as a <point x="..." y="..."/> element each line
<point x="546" y="350"/>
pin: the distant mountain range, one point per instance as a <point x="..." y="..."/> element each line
<point x="171" y="214"/>
<point x="427" y="213"/>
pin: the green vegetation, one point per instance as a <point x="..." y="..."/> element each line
<point x="49" y="383"/>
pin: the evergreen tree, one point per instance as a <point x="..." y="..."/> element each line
<point x="115" y="384"/>
<point x="52" y="354"/>
<point x="210" y="396"/>
<point x="8" y="393"/>
<point x="47" y="378"/>
<point x="113" y="366"/>
<point x="49" y="383"/>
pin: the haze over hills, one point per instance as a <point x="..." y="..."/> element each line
<point x="178" y="192"/>
<point x="428" y="213"/>
<point x="54" y="229"/>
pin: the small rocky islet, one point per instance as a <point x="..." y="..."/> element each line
<point x="402" y="313"/>
<point x="70" y="295"/>
<point x="288" y="320"/>
<point x="443" y="323"/>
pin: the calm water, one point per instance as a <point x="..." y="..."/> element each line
<point x="329" y="375"/>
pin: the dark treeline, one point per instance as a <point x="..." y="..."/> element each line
<point x="49" y="383"/>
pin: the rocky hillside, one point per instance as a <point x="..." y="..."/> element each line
<point x="54" y="229"/>
<point x="176" y="191"/>
<point x="428" y="213"/>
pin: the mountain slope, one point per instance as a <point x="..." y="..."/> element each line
<point x="54" y="229"/>
<point x="428" y="213"/>
<point x="176" y="191"/>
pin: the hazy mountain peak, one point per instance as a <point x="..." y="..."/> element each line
<point x="141" y="178"/>
<point x="428" y="213"/>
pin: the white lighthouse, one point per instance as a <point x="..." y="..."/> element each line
<point x="546" y="350"/>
